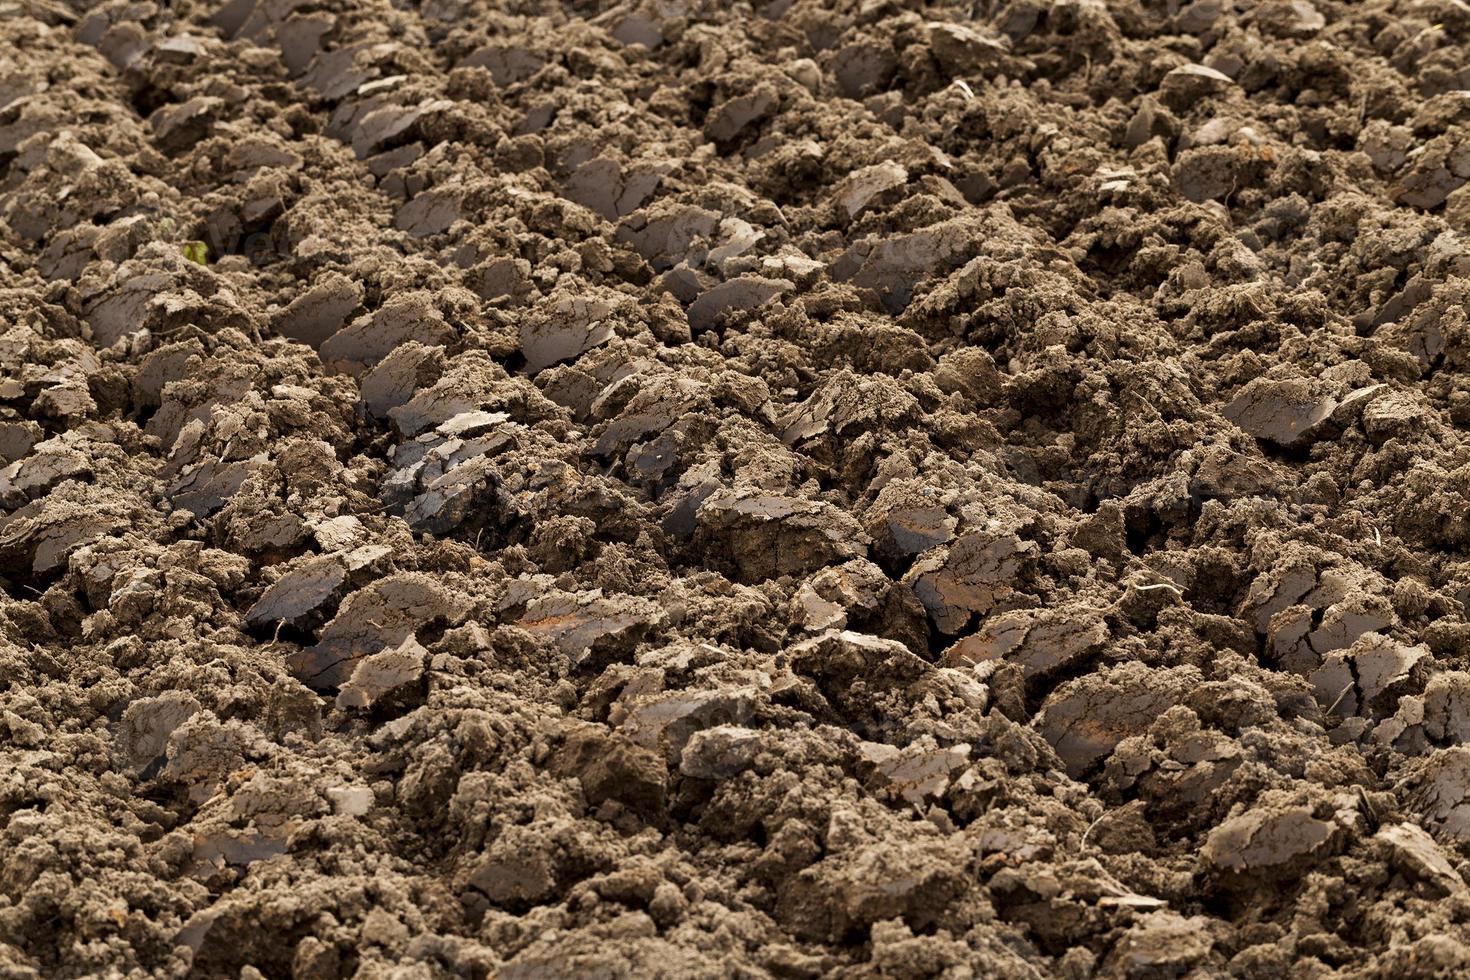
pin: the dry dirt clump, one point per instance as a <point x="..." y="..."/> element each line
<point x="788" y="489"/>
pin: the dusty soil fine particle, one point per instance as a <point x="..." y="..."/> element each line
<point x="793" y="489"/>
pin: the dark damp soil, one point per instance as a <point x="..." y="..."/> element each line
<point x="683" y="489"/>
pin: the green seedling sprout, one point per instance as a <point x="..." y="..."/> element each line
<point x="196" y="252"/>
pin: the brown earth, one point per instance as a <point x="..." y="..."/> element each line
<point x="861" y="489"/>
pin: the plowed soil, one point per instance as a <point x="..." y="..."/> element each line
<point x="698" y="490"/>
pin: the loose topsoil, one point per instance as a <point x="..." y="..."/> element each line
<point x="678" y="489"/>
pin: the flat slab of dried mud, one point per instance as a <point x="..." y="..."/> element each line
<point x="679" y="489"/>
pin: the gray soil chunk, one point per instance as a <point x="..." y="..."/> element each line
<point x="1163" y="944"/>
<point x="178" y="127"/>
<point x="719" y="752"/>
<point x="1042" y="643"/>
<point x="1347" y="620"/>
<point x="1446" y="706"/>
<point x="742" y="294"/>
<point x="1224" y="475"/>
<point x="372" y="337"/>
<point x="206" y="488"/>
<point x="768" y="535"/>
<point x="430" y="212"/>
<point x="1440" y="168"/>
<point x="335" y="73"/>
<point x="894" y="266"/>
<point x="639" y="28"/>
<point x="861" y="676"/>
<point x="1270" y="842"/>
<point x="1440" y="793"/>
<point x="380" y="165"/>
<point x="383" y="614"/>
<point x="142" y="734"/>
<point x="862" y="186"/>
<point x="380" y="677"/>
<point x="1206" y="173"/>
<point x="235" y="848"/>
<point x="1294" y="576"/>
<point x="1291" y="18"/>
<point x="446" y="476"/>
<point x="352" y="801"/>
<point x="1416" y="853"/>
<point x="1387" y="146"/>
<point x="1285" y="412"/>
<point x="1085" y="719"/>
<point x="114" y="315"/>
<point x="914" y="881"/>
<point x="16" y="439"/>
<point x="1308" y="616"/>
<point x="915" y="775"/>
<point x="731" y="118"/>
<point x="470" y="384"/>
<point x="507" y="64"/>
<point x="585" y="626"/>
<point x="319" y="312"/>
<point x="968" y="576"/>
<point x="736" y="238"/>
<point x="170" y="362"/>
<point x="298" y="592"/>
<point x="844" y="654"/>
<point x="261" y="151"/>
<point x="300" y="39"/>
<point x="666" y="723"/>
<point x="961" y="49"/>
<point x="48" y="464"/>
<point x="914" y="530"/>
<point x="1370" y="677"/>
<point x="1200" y="15"/>
<point x="378" y="128"/>
<point x="610" y="767"/>
<point x="603" y="186"/>
<point x="863" y="68"/>
<point x="568" y="328"/>
<point x="521" y="868"/>
<point x="501" y="277"/>
<point x="445" y="500"/>
<point x="45" y="532"/>
<point x="1151" y="120"/>
<point x="396" y="378"/>
<point x="842" y="595"/>
<point x="1457" y="208"/>
<point x="657" y="405"/>
<point x="159" y="291"/>
<point x="1393" y="415"/>
<point x="665" y="234"/>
